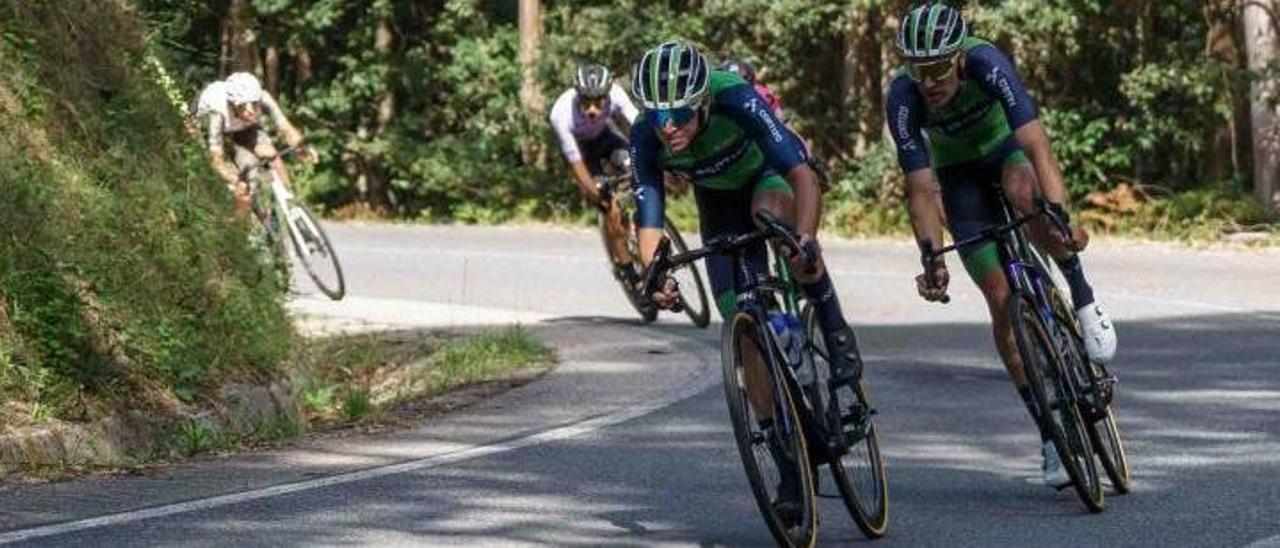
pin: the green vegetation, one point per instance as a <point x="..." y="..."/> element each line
<point x="354" y="378"/>
<point x="124" y="280"/>
<point x="417" y="104"/>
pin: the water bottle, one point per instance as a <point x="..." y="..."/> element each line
<point x="788" y="329"/>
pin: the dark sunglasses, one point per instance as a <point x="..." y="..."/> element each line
<point x="677" y="116"/>
<point x="589" y="102"/>
<point x="933" y="70"/>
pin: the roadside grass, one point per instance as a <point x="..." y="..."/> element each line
<point x="353" y="379"/>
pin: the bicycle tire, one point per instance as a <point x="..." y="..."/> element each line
<point x="647" y="313"/>
<point x="1041" y="365"/>
<point x="700" y="315"/>
<point x="866" y="501"/>
<point x="750" y="440"/>
<point x="274" y="241"/>
<point x="336" y="288"/>
<point x="1101" y="423"/>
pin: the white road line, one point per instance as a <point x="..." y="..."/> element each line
<point x="1269" y="542"/>
<point x="546" y="436"/>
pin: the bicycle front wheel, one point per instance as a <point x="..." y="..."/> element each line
<point x="855" y="461"/>
<point x="311" y="246"/>
<point x="648" y="313"/>
<point x="768" y="431"/>
<point x="1043" y="368"/>
<point x="693" y="291"/>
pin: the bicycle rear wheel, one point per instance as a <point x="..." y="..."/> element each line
<point x="312" y="247"/>
<point x="1043" y="366"/>
<point x="1099" y="412"/>
<point x="759" y="446"/>
<point x="858" y="469"/>
<point x="693" y="291"/>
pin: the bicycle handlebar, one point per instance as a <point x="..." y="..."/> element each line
<point x="770" y="227"/>
<point x="1043" y="207"/>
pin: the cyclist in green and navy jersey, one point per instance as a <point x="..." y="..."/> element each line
<point x="712" y="128"/>
<point x="966" y="130"/>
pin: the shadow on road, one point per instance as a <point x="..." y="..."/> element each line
<point x="1198" y="402"/>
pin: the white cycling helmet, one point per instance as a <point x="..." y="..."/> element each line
<point x="243" y="87"/>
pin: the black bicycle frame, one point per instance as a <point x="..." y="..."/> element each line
<point x="756" y="293"/>
<point x="1025" y="275"/>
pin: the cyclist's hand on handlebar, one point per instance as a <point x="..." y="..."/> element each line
<point x="941" y="278"/>
<point x="805" y="259"/>
<point x="1077" y="242"/>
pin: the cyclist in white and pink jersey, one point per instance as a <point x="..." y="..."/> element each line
<point x="586" y="120"/>
<point x="234" y="108"/>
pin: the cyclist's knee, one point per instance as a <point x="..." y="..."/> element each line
<point x="995" y="289"/>
<point x="780" y="204"/>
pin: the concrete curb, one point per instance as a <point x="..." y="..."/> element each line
<point x="240" y="410"/>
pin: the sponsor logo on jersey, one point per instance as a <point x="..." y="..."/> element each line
<point x="764" y="114"/>
<point x="997" y="79"/>
<point x="905" y="140"/>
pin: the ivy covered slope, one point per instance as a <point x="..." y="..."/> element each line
<point x="125" y="280"/>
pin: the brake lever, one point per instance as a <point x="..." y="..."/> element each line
<point x="653" y="273"/>
<point x="1058" y="217"/>
<point x="808" y="254"/>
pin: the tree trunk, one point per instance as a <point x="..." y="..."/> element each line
<point x="239" y="39"/>
<point x="530" y="35"/>
<point x="1260" y="46"/>
<point x="863" y="75"/>
<point x="377" y="195"/>
<point x="271" y="66"/>
<point x="1227" y="154"/>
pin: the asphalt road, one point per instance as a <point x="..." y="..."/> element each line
<point x="628" y="443"/>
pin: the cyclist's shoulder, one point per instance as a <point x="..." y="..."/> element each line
<point x="212" y="99"/>
<point x="981" y="53"/>
<point x="903" y="90"/>
<point x="724" y="84"/>
<point x="563" y="105"/>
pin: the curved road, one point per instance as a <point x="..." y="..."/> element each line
<point x="627" y="443"/>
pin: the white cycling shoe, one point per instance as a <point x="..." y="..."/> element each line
<point x="1099" y="332"/>
<point x="1055" y="474"/>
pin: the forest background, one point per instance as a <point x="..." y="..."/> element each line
<point x="1163" y="113"/>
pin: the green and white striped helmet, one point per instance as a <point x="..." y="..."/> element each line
<point x="672" y="75"/>
<point x="930" y="31"/>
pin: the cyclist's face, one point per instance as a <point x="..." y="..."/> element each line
<point x="677" y="138"/>
<point x="592" y="108"/>
<point x="939" y="80"/>
<point x="247" y="112"/>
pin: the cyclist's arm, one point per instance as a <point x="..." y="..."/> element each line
<point x="998" y="77"/>
<point x="291" y="134"/>
<point x="217" y="156"/>
<point x="904" y="112"/>
<point x="561" y="119"/>
<point x="650" y="195"/>
<point x="782" y="151"/>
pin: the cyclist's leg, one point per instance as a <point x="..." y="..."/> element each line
<point x="1021" y="187"/>
<point x="972" y="205"/>
<point x="264" y="148"/>
<point x="775" y="194"/>
<point x="244" y="158"/>
<point x="596" y="154"/>
<point x="727" y="213"/>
